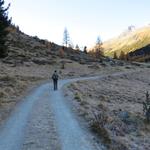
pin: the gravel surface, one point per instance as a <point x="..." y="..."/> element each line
<point x="41" y="132"/>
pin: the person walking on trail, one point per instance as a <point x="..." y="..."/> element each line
<point x="55" y="79"/>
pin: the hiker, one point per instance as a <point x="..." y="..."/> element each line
<point x="55" y="79"/>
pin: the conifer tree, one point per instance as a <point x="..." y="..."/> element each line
<point x="4" y="23"/>
<point x="122" y="55"/>
<point x="85" y="50"/>
<point x="115" y="55"/>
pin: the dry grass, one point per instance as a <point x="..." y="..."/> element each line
<point x="119" y="99"/>
<point x="12" y="88"/>
<point x="97" y="125"/>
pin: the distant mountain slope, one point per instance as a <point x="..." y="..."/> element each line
<point x="141" y="55"/>
<point x="128" y="41"/>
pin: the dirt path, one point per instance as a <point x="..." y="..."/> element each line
<point x="44" y="121"/>
<point x="41" y="133"/>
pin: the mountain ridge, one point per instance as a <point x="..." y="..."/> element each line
<point x="128" y="42"/>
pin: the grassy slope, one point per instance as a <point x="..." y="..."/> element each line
<point x="128" y="42"/>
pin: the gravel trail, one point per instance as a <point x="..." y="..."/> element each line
<point x="44" y="121"/>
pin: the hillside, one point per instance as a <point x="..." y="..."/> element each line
<point x="128" y="41"/>
<point x="26" y="49"/>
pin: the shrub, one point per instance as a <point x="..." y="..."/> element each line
<point x="62" y="65"/>
<point x="77" y="96"/>
<point x="3" y="95"/>
<point x="61" y="52"/>
<point x="98" y="126"/>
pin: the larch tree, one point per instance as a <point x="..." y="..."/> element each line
<point x="98" y="48"/>
<point x="66" y="38"/>
<point x="4" y="24"/>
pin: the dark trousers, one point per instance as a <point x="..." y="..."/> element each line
<point x="55" y="84"/>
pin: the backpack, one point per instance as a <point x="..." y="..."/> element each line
<point x="55" y="77"/>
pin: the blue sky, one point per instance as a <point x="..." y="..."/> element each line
<point x="84" y="19"/>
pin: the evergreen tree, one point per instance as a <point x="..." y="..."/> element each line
<point x="122" y="56"/>
<point x="4" y="23"/>
<point x="115" y="55"/>
<point x="85" y="50"/>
